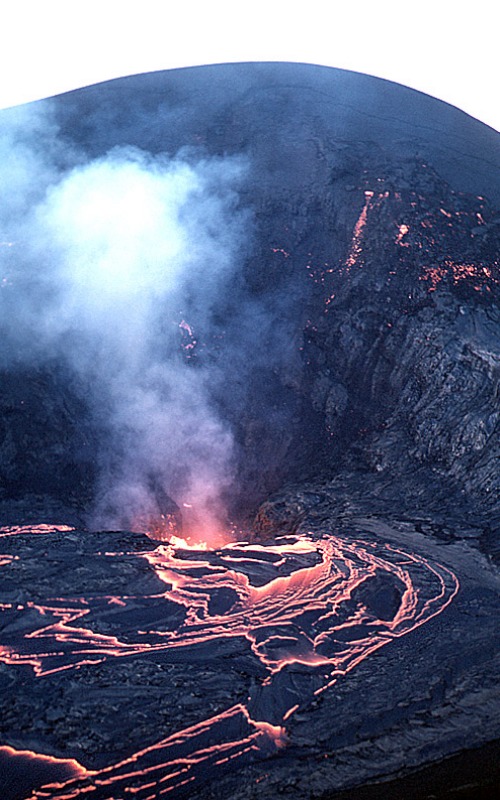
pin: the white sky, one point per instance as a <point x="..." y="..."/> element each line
<point x="446" y="48"/>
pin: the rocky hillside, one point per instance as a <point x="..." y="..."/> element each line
<point x="357" y="343"/>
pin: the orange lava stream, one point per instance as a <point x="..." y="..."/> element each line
<point x="15" y="530"/>
<point x="321" y="576"/>
<point x="70" y="765"/>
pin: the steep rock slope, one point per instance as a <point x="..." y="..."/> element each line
<point x="373" y="262"/>
<point x="354" y="348"/>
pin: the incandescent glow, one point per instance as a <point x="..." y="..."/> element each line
<point x="183" y="544"/>
<point x="357" y="236"/>
<point x="403" y="230"/>
<point x="444" y="247"/>
<point x="13" y="530"/>
<point x="316" y="607"/>
<point x="130" y="251"/>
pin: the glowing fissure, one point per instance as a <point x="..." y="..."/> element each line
<point x="14" y="530"/>
<point x="328" y="577"/>
<point x="65" y="768"/>
<point x="356" y="248"/>
<point x="355" y="253"/>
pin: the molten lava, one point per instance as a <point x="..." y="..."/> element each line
<point x="192" y="535"/>
<point x="308" y="600"/>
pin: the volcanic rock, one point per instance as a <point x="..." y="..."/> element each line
<point x="362" y="393"/>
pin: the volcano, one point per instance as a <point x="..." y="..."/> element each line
<point x="249" y="488"/>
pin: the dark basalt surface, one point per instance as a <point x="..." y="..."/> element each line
<point x="418" y="698"/>
<point x="396" y="375"/>
<point x="371" y="403"/>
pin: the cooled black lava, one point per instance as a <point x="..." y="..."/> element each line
<point x="264" y="294"/>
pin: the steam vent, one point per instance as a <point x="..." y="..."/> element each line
<point x="249" y="441"/>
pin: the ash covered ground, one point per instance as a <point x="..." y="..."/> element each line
<point x="299" y="336"/>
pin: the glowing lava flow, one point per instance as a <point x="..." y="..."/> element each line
<point x="357" y="236"/>
<point x="324" y="603"/>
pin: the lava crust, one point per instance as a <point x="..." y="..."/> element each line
<point x="269" y="291"/>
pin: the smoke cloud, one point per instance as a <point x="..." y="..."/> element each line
<point x="115" y="266"/>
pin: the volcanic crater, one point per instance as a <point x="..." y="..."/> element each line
<point x="249" y="487"/>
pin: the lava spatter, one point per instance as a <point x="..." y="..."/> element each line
<point x="322" y="602"/>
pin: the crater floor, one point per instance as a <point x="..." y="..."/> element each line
<point x="313" y="662"/>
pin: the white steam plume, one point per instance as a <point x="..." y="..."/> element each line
<point x="106" y="260"/>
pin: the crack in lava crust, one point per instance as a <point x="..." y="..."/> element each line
<point x="322" y="603"/>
